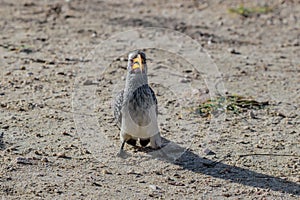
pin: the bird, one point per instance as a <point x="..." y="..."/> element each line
<point x="135" y="107"/>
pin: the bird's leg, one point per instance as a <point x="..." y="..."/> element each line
<point x="155" y="141"/>
<point x="122" y="146"/>
<point x="121" y="151"/>
<point x="125" y="138"/>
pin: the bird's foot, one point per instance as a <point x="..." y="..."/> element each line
<point x="155" y="141"/>
<point x="122" y="154"/>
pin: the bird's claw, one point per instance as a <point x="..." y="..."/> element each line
<point x="122" y="154"/>
<point x="155" y="141"/>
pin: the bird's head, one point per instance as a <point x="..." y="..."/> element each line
<point x="137" y="62"/>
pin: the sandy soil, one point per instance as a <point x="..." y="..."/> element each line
<point x="57" y="136"/>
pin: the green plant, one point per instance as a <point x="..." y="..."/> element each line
<point x="229" y="103"/>
<point x="246" y="12"/>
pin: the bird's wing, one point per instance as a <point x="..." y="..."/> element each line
<point x="154" y="99"/>
<point x="118" y="108"/>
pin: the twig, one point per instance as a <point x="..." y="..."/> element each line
<point x="267" y="154"/>
<point x="68" y="111"/>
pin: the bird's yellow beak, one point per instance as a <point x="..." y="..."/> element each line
<point x="137" y="63"/>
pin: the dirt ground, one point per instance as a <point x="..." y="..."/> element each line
<point x="57" y="136"/>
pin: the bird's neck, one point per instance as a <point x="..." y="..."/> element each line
<point x="134" y="81"/>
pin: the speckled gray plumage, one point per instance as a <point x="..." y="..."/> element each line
<point x="138" y="101"/>
<point x="118" y="107"/>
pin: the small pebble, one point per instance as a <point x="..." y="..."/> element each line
<point x="252" y="115"/>
<point x="7" y="73"/>
<point x="65" y="133"/>
<point x="209" y="152"/>
<point x="96" y="184"/>
<point x="184" y="80"/>
<point x="22" y="68"/>
<point x="38" y="153"/>
<point x="61" y="155"/>
<point x="105" y="171"/>
<point x="44" y="159"/>
<point x="61" y="73"/>
<point x="89" y="82"/>
<point x="187" y="71"/>
<point x="24" y="161"/>
<point x="131" y="172"/>
<point x="153" y="187"/>
<point x="233" y="51"/>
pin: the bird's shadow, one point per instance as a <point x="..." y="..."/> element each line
<point x="185" y="158"/>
